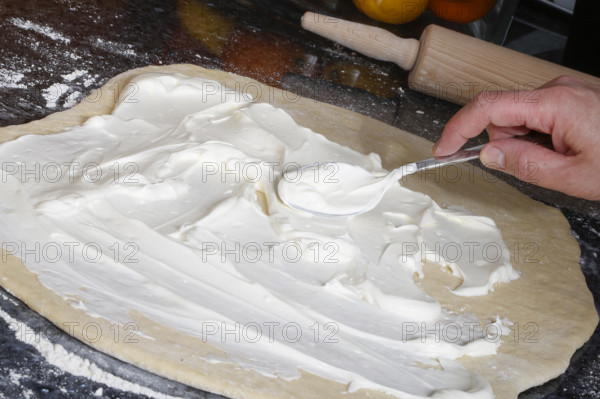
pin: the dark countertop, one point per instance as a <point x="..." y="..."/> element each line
<point x="54" y="53"/>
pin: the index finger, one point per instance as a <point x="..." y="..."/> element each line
<point x="503" y="109"/>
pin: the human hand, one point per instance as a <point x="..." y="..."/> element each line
<point x="566" y="108"/>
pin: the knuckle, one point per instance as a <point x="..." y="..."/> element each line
<point x="565" y="97"/>
<point x="481" y="100"/>
<point x="573" y="89"/>
<point x="566" y="80"/>
<point x="481" y="103"/>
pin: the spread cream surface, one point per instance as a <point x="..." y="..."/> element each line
<point x="168" y="206"/>
<point x="333" y="189"/>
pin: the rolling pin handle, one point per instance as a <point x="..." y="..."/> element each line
<point x="368" y="40"/>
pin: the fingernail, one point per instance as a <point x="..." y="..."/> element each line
<point x="492" y="157"/>
<point x="435" y="148"/>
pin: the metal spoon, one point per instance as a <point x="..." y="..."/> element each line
<point x="339" y="189"/>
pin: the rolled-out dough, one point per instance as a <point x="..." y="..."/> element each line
<point x="550" y="305"/>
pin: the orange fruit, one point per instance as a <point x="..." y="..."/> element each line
<point x="461" y="11"/>
<point x="392" y="11"/>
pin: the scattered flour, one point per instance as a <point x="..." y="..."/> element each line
<point x="11" y="79"/>
<point x="41" y="29"/>
<point x="15" y="378"/>
<point x="72" y="99"/>
<point x="58" y="356"/>
<point x="114" y="47"/>
<point x="74" y="75"/>
<point x="7" y="298"/>
<point x="64" y="94"/>
<point x="53" y="93"/>
<point x="90" y="81"/>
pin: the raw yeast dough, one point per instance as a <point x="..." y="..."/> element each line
<point x="549" y="309"/>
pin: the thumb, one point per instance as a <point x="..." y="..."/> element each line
<point x="529" y="162"/>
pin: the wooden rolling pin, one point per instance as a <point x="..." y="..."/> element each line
<point x="444" y="63"/>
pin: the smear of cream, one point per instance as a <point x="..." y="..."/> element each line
<point x="168" y="207"/>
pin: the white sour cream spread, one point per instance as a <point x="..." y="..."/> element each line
<point x="335" y="188"/>
<point x="168" y="207"/>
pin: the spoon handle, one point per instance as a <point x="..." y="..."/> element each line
<point x="467" y="154"/>
<point x="472" y="153"/>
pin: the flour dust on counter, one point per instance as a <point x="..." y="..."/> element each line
<point x="56" y="53"/>
<point x="51" y="364"/>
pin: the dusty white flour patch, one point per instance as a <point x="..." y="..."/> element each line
<point x="72" y="99"/>
<point x="90" y="81"/>
<point x="70" y="363"/>
<point x="7" y="298"/>
<point x="85" y="76"/>
<point x="114" y="47"/>
<point x="41" y="29"/>
<point x="74" y="75"/>
<point x="10" y="79"/>
<point x="15" y="377"/>
<point x="53" y="93"/>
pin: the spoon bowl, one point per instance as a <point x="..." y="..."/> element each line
<point x="335" y="189"/>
